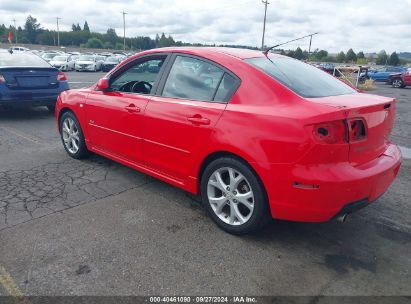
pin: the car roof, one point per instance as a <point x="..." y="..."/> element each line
<point x="234" y="52"/>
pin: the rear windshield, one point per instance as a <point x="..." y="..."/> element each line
<point x="22" y="60"/>
<point x="302" y="78"/>
<point x="60" y="58"/>
<point x="112" y="59"/>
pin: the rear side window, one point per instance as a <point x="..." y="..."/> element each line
<point x="191" y="78"/>
<point x="227" y="87"/>
<point x="22" y="60"/>
<point x="302" y="78"/>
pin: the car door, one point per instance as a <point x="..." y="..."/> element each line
<point x="115" y="116"/>
<point x="407" y="77"/>
<point x="181" y="117"/>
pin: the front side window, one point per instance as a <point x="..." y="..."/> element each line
<point x="304" y="79"/>
<point x="192" y="78"/>
<point x="138" y="78"/>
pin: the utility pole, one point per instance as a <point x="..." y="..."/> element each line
<point x="58" y="32"/>
<point x="124" y="30"/>
<point x="309" y="48"/>
<point x="266" y="3"/>
<point x="15" y="29"/>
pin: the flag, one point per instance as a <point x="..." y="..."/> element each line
<point x="10" y="36"/>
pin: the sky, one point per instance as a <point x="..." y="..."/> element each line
<point x="368" y="26"/>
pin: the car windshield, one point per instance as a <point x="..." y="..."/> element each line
<point x="86" y="58"/>
<point x="22" y="60"/>
<point x="302" y="78"/>
<point x="112" y="59"/>
<point x="60" y="58"/>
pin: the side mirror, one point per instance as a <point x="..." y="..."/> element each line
<point x="102" y="84"/>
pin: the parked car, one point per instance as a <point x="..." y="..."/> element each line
<point x="18" y="49"/>
<point x="88" y="63"/>
<point x="401" y="80"/>
<point x="63" y="62"/>
<point x="257" y="136"/>
<point x="384" y="73"/>
<point x="111" y="62"/>
<point x="27" y="80"/>
<point x="49" y="56"/>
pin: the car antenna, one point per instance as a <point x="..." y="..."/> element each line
<point x="265" y="52"/>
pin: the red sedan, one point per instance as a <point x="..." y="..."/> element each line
<point x="257" y="136"/>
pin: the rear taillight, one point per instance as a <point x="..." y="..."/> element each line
<point x="61" y="76"/>
<point x="356" y="129"/>
<point x="2" y="79"/>
<point x="332" y="132"/>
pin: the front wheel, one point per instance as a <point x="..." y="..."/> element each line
<point x="397" y="83"/>
<point x="72" y="136"/>
<point x="233" y="196"/>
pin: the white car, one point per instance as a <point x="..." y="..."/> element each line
<point x="63" y="62"/>
<point x="18" y="49"/>
<point x="49" y="56"/>
<point x="88" y="63"/>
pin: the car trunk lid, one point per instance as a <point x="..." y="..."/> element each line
<point x="375" y="113"/>
<point x="30" y="78"/>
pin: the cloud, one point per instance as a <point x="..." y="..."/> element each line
<point x="367" y="26"/>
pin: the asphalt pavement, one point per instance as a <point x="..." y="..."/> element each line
<point x="94" y="227"/>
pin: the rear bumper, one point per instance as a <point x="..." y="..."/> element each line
<point x="32" y="97"/>
<point x="319" y="193"/>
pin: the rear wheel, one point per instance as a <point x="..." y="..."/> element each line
<point x="233" y="196"/>
<point x="72" y="136"/>
<point x="397" y="83"/>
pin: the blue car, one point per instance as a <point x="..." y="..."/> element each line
<point x="384" y="73"/>
<point x="28" y="80"/>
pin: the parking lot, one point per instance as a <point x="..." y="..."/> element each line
<point x="94" y="227"/>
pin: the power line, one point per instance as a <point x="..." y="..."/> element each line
<point x="266" y="3"/>
<point x="277" y="45"/>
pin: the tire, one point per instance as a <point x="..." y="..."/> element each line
<point x="67" y="140"/>
<point x="227" y="209"/>
<point x="51" y="108"/>
<point x="397" y="83"/>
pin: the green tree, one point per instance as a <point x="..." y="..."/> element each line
<point x="394" y="59"/>
<point x="340" y="57"/>
<point x="32" y="28"/>
<point x="351" y="56"/>
<point x="382" y="58"/>
<point x="111" y="36"/>
<point x="321" y="54"/>
<point x="86" y="27"/>
<point x="360" y="55"/>
<point x="298" y="54"/>
<point x="94" y="43"/>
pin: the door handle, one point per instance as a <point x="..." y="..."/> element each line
<point x="198" y="120"/>
<point x="132" y="109"/>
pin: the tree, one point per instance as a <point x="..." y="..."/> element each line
<point x="298" y="54"/>
<point x="360" y="55"/>
<point x="111" y="36"/>
<point x="321" y="54"/>
<point x="351" y="56"/>
<point x="32" y="28"/>
<point x="382" y="58"/>
<point x="85" y="27"/>
<point x="394" y="59"/>
<point x="340" y="57"/>
<point x="94" y="43"/>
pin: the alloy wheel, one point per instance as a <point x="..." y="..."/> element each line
<point x="397" y="83"/>
<point x="71" y="136"/>
<point x="231" y="196"/>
